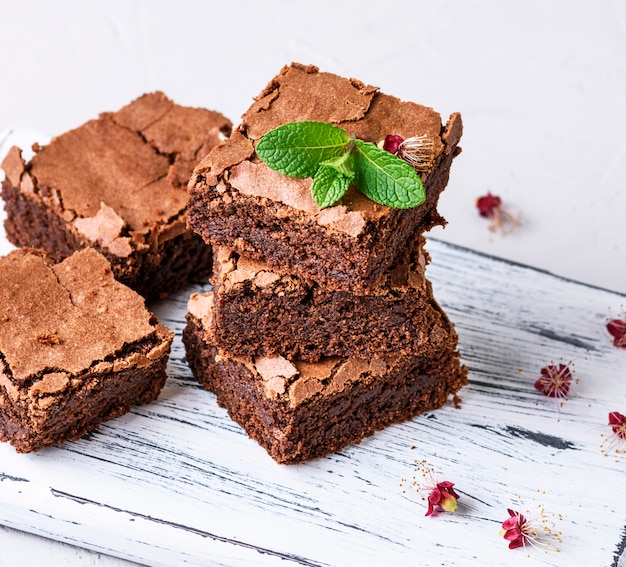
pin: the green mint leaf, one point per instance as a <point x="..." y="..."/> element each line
<point x="343" y="164"/>
<point x="334" y="160"/>
<point x="297" y="149"/>
<point x="385" y="178"/>
<point x="329" y="185"/>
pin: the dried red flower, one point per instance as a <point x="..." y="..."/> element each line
<point x="515" y="529"/>
<point x="417" y="151"/>
<point x="442" y="496"/>
<point x="555" y="380"/>
<point x="617" y="421"/>
<point x="392" y="142"/>
<point x="617" y="441"/>
<point x="520" y="530"/>
<point x="503" y="219"/>
<point x="617" y="329"/>
<point x="488" y="205"/>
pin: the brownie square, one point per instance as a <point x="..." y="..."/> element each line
<point x="260" y="311"/>
<point x="300" y="410"/>
<point x="76" y="348"/>
<point x="238" y="202"/>
<point x="118" y="184"/>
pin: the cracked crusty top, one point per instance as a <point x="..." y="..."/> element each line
<point x="302" y="92"/>
<point x="124" y="169"/>
<point x="65" y="317"/>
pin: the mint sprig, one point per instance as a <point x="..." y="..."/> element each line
<point x="297" y="149"/>
<point x="334" y="160"/>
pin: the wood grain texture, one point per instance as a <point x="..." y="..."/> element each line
<point x="178" y="483"/>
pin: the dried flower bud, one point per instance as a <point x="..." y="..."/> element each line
<point x="503" y="219"/>
<point x="617" y="329"/>
<point x="418" y="151"/>
<point x="616" y="442"/>
<point x="488" y="205"/>
<point x="442" y="496"/>
<point x="392" y="142"/>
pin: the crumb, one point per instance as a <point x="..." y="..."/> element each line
<point x="48" y="339"/>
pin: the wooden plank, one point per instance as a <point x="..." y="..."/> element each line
<point x="177" y="482"/>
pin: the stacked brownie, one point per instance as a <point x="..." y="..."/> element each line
<point x="321" y="327"/>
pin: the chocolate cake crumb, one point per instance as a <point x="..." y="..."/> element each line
<point x="48" y="339"/>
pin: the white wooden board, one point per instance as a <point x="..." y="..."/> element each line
<point x="178" y="483"/>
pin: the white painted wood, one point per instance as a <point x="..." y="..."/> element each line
<point x="177" y="482"/>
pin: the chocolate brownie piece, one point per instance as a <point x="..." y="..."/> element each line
<point x="118" y="183"/>
<point x="260" y="311"/>
<point x="238" y="202"/>
<point x="301" y="410"/>
<point x="76" y="348"/>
